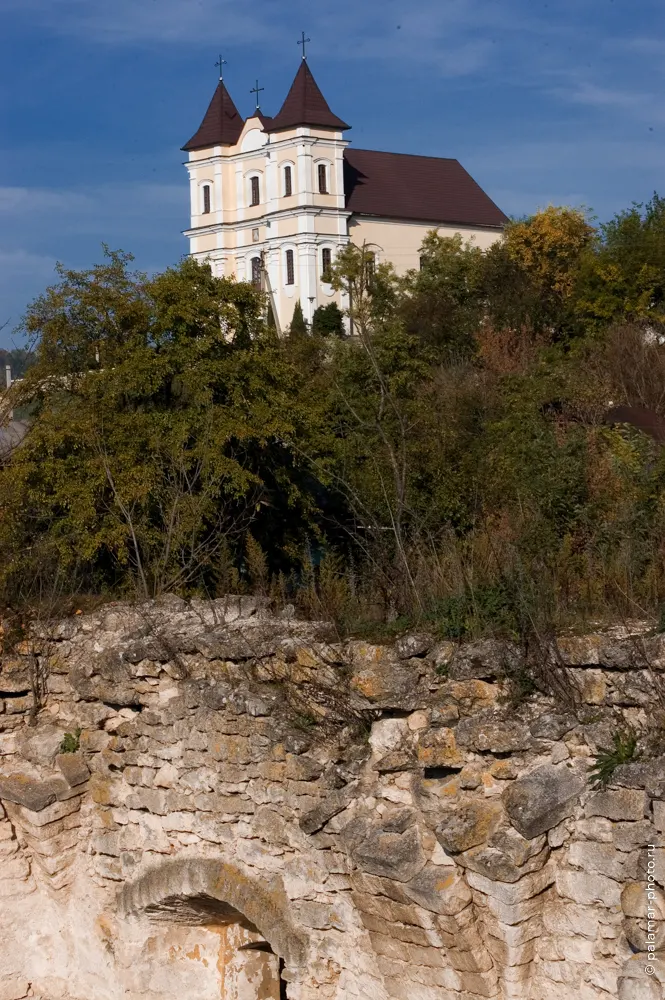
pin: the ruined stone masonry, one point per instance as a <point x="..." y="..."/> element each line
<point x="252" y="811"/>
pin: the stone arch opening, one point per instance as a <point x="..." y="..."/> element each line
<point x="248" y="942"/>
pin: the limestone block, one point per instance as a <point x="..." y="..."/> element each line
<point x="510" y="955"/>
<point x="470" y="824"/>
<point x="389" y="846"/>
<point x="54" y="845"/>
<point x="559" y="753"/>
<point x="151" y="799"/>
<point x="334" y="803"/>
<point x="487" y="659"/>
<point x="586" y="888"/>
<point x="634" y="688"/>
<point x="542" y="799"/>
<point x="13" y="988"/>
<point x="54" y="865"/>
<point x="635" y="984"/>
<point x="31" y="792"/>
<point x="104" y="842"/>
<point x="41" y="744"/>
<point x="414" y="644"/>
<point x="552" y="725"/>
<point x="497" y="865"/>
<point x="438" y="748"/>
<point x="442" y="890"/>
<point x="15" y="867"/>
<point x="200" y="779"/>
<point x="529" y="886"/>
<point x="632" y="836"/>
<point x="381" y="679"/>
<point x="596" y="828"/>
<point x="514" y="913"/>
<point x="619" y="804"/>
<point x="303" y="768"/>
<point x="73" y="767"/>
<point x="601" y="858"/>
<point x="444" y="714"/>
<point x="166" y="776"/>
<point x="564" y="917"/>
<point x="387" y="735"/>
<point x="604" y="976"/>
<point x="492" y="730"/>
<point x="591" y="684"/>
<point x="418" y="720"/>
<point x="648" y="775"/>
<point x="659" y="815"/>
<point x="394" y="763"/>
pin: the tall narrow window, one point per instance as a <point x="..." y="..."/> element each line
<point x="370" y="269"/>
<point x="206" y="199"/>
<point x="290" y="270"/>
<point x="288" y="182"/>
<point x="326" y="264"/>
<point x="256" y="191"/>
<point x="256" y="272"/>
<point x="323" y="179"/>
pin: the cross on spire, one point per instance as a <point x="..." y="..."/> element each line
<point x="303" y="41"/>
<point x="221" y="63"/>
<point x="257" y="90"/>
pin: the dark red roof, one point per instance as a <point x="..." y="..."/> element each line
<point x="306" y="105"/>
<point x="422" y="188"/>
<point x="221" y="125"/>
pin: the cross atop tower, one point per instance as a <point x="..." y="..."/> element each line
<point x="221" y="63"/>
<point x="257" y="90"/>
<point x="303" y="41"/>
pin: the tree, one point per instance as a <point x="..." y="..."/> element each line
<point x="442" y="303"/>
<point x="328" y="321"/>
<point x="298" y="327"/>
<point x="549" y="247"/>
<point x="160" y="433"/>
<point x="624" y="279"/>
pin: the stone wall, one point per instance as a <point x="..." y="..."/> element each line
<point x="257" y="811"/>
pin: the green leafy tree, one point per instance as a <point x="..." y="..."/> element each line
<point x="328" y="321"/>
<point x="624" y="279"/>
<point x="298" y="327"/>
<point x="160" y="432"/>
<point x="442" y="303"/>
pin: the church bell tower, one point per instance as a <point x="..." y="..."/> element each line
<point x="267" y="194"/>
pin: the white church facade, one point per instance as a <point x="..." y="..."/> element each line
<point x="274" y="199"/>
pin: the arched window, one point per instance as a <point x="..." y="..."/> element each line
<point x="288" y="182"/>
<point x="256" y="272"/>
<point x="290" y="269"/>
<point x="256" y="191"/>
<point x="206" y="199"/>
<point x="326" y="264"/>
<point x="323" y="179"/>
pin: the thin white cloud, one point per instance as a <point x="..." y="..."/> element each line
<point x="21" y="262"/>
<point x="645" y="105"/>
<point x="153" y="21"/>
<point x="101" y="210"/>
<point x="25" y="200"/>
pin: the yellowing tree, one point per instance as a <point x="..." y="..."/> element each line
<point x="550" y="245"/>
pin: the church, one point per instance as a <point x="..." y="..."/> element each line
<point x="273" y="200"/>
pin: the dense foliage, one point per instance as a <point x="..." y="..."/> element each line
<point x="452" y="462"/>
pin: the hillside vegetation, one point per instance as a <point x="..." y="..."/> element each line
<point x="453" y="464"/>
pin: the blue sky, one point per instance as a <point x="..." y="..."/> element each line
<point x="560" y="102"/>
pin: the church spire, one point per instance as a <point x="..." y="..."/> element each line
<point x="306" y="105"/>
<point x="222" y="124"/>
